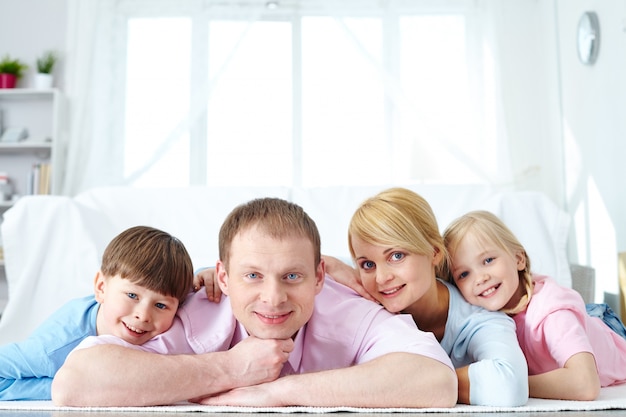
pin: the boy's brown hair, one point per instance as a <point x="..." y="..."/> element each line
<point x="274" y="216"/>
<point x="151" y="258"/>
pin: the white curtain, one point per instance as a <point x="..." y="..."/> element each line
<point x="417" y="151"/>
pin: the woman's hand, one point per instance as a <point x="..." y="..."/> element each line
<point x="346" y="275"/>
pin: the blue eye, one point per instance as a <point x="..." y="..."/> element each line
<point x="367" y="265"/>
<point x="160" y="306"/>
<point x="291" y="277"/>
<point x="132" y="295"/>
<point x="396" y="256"/>
<point x="489" y="260"/>
<point x="463" y="275"/>
<point x="253" y="275"/>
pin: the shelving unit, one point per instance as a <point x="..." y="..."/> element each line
<point x="39" y="112"/>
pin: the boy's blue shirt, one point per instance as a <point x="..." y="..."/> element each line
<point x="28" y="367"/>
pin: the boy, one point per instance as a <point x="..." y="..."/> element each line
<point x="145" y="275"/>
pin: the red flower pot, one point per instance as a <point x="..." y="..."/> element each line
<point x="7" y="80"/>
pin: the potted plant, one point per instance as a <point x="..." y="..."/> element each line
<point x="45" y="65"/>
<point x="10" y="71"/>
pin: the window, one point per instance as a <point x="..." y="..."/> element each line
<point x="290" y="97"/>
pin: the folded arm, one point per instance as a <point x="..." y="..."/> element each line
<point x="111" y="375"/>
<point x="577" y="380"/>
<point x="25" y="389"/>
<point x="392" y="380"/>
<point x="26" y="370"/>
<point x="498" y="375"/>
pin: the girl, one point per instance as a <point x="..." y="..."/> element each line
<point x="570" y="354"/>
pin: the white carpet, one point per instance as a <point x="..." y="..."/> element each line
<point x="611" y="398"/>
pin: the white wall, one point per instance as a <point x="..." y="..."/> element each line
<point x="579" y="112"/>
<point x="593" y="100"/>
<point x="30" y="27"/>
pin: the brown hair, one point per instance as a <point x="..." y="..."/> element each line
<point x="397" y="217"/>
<point x="151" y="258"/>
<point x="487" y="227"/>
<point x="274" y="216"/>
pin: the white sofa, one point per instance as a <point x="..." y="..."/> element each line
<point x="53" y="244"/>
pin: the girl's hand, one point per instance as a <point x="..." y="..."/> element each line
<point x="346" y="275"/>
<point x="206" y="278"/>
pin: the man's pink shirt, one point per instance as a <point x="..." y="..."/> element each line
<point x="345" y="329"/>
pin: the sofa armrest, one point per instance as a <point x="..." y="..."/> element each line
<point x="584" y="281"/>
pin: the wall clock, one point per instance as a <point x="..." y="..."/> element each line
<point x="588" y="38"/>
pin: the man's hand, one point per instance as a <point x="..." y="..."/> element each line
<point x="253" y="396"/>
<point x="257" y="360"/>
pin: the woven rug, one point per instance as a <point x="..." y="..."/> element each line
<point x="611" y="398"/>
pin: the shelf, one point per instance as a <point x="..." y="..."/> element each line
<point x="27" y="145"/>
<point x="26" y="93"/>
<point x="39" y="112"/>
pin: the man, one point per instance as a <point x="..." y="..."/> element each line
<point x="281" y="337"/>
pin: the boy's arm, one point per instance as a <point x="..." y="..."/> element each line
<point x="392" y="380"/>
<point x="25" y="389"/>
<point x="577" y="380"/>
<point x="111" y="375"/>
<point x="27" y="367"/>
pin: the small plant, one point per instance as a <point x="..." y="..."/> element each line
<point x="12" y="66"/>
<point x="45" y="63"/>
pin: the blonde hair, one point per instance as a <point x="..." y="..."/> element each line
<point x="487" y="227"/>
<point x="397" y="217"/>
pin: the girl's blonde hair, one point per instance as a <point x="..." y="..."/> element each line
<point x="487" y="227"/>
<point x="397" y="217"/>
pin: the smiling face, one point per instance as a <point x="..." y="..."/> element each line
<point x="486" y="274"/>
<point x="130" y="311"/>
<point x="271" y="282"/>
<point x="396" y="278"/>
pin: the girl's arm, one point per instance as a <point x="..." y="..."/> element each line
<point x="577" y="380"/>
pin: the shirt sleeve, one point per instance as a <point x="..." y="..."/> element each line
<point x="24" y="372"/>
<point x="397" y="333"/>
<point x="27" y="367"/>
<point x="565" y="324"/>
<point x="498" y="374"/>
<point x="25" y="389"/>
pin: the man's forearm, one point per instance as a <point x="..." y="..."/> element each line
<point x="393" y="380"/>
<point x="109" y="375"/>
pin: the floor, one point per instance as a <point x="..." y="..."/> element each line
<point x="610" y="413"/>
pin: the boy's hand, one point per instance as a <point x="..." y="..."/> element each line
<point x="206" y="278"/>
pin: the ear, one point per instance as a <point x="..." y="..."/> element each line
<point x="520" y="257"/>
<point x="99" y="286"/>
<point x="320" y="276"/>
<point x="437" y="256"/>
<point x="222" y="276"/>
